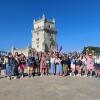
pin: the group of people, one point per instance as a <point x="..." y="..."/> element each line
<point x="50" y="63"/>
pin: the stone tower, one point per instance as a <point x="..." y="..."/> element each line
<point x="44" y="35"/>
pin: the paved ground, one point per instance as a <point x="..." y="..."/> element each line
<point x="50" y="88"/>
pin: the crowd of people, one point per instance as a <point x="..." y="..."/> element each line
<point x="50" y="63"/>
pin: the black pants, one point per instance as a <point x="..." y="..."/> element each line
<point x="16" y="73"/>
<point x="0" y="70"/>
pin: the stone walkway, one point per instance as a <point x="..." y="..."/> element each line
<point x="50" y="88"/>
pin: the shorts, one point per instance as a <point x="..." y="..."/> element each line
<point x="22" y="67"/>
<point x="90" y="68"/>
<point x="30" y="68"/>
<point x="72" y="66"/>
<point x="97" y="66"/>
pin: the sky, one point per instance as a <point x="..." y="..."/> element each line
<point x="77" y="22"/>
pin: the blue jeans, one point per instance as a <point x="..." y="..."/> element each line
<point x="59" y="69"/>
<point x="8" y="70"/>
<point x="52" y="68"/>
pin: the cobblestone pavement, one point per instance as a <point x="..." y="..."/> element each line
<point x="50" y="88"/>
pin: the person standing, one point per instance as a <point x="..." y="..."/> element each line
<point x="52" y="64"/>
<point x="43" y="65"/>
<point x="72" y="66"/>
<point x="9" y="65"/>
<point x="30" y="62"/>
<point x="1" y="63"/>
<point x="58" y="65"/>
<point x="90" y="64"/>
<point x="16" y="65"/>
<point x="47" y="63"/>
<point x="37" y="63"/>
<point x="78" y="64"/>
<point x="97" y="66"/>
<point x="84" y="66"/>
<point x="65" y="65"/>
<point x="22" y="64"/>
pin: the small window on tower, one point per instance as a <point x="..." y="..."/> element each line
<point x="37" y="34"/>
<point x="48" y="26"/>
<point x="51" y="36"/>
<point x="37" y="46"/>
<point x="37" y="39"/>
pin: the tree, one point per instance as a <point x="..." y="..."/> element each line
<point x="92" y="49"/>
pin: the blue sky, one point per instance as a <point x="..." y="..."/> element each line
<point x="77" y="21"/>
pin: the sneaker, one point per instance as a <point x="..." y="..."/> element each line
<point x="15" y="78"/>
<point x="52" y="75"/>
<point x="70" y="74"/>
<point x="10" y="78"/>
<point x="74" y="75"/>
<point x="77" y="75"/>
<point x="85" y="76"/>
<point x="41" y="75"/>
<point x="90" y="76"/>
<point x="22" y="76"/>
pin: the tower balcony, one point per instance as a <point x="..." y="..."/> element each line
<point x="48" y="29"/>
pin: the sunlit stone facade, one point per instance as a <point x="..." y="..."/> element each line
<point x="44" y="35"/>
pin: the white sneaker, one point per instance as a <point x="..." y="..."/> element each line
<point x="15" y="78"/>
<point x="85" y="76"/>
<point x="77" y="75"/>
<point x="74" y="75"/>
<point x="70" y="74"/>
<point x="90" y="76"/>
<point x="41" y="75"/>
